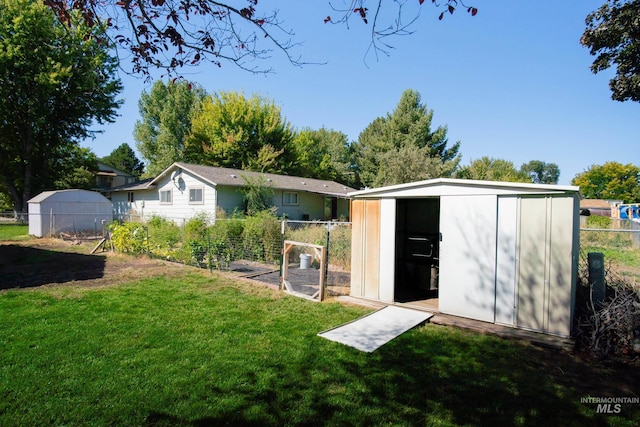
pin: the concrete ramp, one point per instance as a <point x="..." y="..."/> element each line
<point x="372" y="331"/>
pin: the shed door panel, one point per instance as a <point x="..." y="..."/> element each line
<point x="372" y="248"/>
<point x="533" y="261"/>
<point x="468" y="256"/>
<point x="357" y="235"/>
<point x="365" y="261"/>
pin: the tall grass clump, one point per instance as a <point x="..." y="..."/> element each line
<point x="261" y="237"/>
<point x="339" y="241"/>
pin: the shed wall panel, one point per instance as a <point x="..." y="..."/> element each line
<point x="506" y="260"/>
<point x="533" y="256"/>
<point x="468" y="256"/>
<point x="561" y="266"/>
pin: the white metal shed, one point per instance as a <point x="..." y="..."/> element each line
<point x="53" y="212"/>
<point x="499" y="252"/>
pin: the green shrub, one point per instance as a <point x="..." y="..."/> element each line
<point x="129" y="237"/>
<point x="196" y="227"/>
<point x="163" y="233"/>
<point x="597" y="221"/>
<point x="340" y="247"/>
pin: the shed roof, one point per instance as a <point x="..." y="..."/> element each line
<point x="71" y="195"/>
<point x="235" y="177"/>
<point x="448" y="186"/>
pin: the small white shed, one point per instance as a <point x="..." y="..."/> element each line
<point x="53" y="212"/>
<point x="499" y="252"/>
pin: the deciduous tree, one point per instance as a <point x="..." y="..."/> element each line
<point x="612" y="180"/>
<point x="76" y="168"/>
<point x="55" y="82"/>
<point x="491" y="169"/>
<point x="233" y="131"/>
<point x="613" y="37"/>
<point x="323" y="154"/>
<point x="166" y="113"/>
<point x="541" y="172"/>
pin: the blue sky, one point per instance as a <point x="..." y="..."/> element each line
<point x="513" y="82"/>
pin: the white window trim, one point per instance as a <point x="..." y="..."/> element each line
<point x="170" y="192"/>
<point x="290" y="204"/>
<point x="197" y="202"/>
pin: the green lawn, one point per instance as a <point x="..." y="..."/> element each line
<point x="199" y="350"/>
<point x="14" y="232"/>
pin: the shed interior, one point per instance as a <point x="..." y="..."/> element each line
<point x="417" y="249"/>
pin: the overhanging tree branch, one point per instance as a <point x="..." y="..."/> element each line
<point x="172" y="34"/>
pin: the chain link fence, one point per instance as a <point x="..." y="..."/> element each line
<point x="616" y="233"/>
<point x="250" y="247"/>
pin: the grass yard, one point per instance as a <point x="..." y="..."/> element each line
<point x="13" y="231"/>
<point x="157" y="344"/>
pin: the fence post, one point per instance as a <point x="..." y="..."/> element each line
<point x="146" y="229"/>
<point x="326" y="258"/>
<point x="209" y="252"/>
<point x="282" y="227"/>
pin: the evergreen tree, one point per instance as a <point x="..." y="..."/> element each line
<point x="406" y="134"/>
<point x="124" y="159"/>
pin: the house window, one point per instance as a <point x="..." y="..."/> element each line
<point x="195" y="195"/>
<point x="290" y="199"/>
<point x="165" y="197"/>
<point x="130" y="196"/>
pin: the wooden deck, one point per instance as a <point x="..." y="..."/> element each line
<point x="431" y="305"/>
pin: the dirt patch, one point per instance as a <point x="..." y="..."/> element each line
<point x="50" y="261"/>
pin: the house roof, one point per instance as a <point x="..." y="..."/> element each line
<point x="441" y="186"/>
<point x="145" y="184"/>
<point x="594" y="204"/>
<point x="104" y="169"/>
<point x="236" y="177"/>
